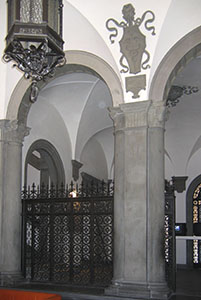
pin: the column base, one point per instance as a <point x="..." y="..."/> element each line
<point x="138" y="290"/>
<point x="9" y="279"/>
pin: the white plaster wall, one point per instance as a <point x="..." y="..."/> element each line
<point x="94" y="160"/>
<point x="95" y="116"/>
<point x="69" y="95"/>
<point x="46" y="123"/>
<point x="33" y="176"/>
<point x="194" y="166"/>
<point x="106" y="139"/>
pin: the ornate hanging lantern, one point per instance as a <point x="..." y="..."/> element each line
<point x="34" y="41"/>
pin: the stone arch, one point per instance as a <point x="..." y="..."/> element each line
<point x="19" y="104"/>
<point x="50" y="162"/>
<point x="176" y="59"/>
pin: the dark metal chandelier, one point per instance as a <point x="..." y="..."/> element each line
<point x="34" y="41"/>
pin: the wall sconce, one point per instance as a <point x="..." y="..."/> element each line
<point x="34" y="41"/>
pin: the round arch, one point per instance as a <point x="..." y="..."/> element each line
<point x="49" y="163"/>
<point x="19" y="104"/>
<point x="178" y="56"/>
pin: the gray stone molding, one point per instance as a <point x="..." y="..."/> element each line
<point x="130" y="115"/>
<point x="10" y="279"/>
<point x="50" y="163"/>
<point x="174" y="61"/>
<point x="135" y="84"/>
<point x="157" y="114"/>
<point x="131" y="290"/>
<point x="138" y="114"/>
<point x="11" y="131"/>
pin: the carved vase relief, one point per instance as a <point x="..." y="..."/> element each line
<point x="133" y="46"/>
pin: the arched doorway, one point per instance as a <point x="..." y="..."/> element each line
<point x="43" y="157"/>
<point x="85" y="69"/>
<point x="55" y="107"/>
<point x="176" y="84"/>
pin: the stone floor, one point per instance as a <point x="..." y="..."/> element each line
<point x="188" y="288"/>
<point x="188" y="285"/>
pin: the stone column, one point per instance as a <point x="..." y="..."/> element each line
<point x="139" y="268"/>
<point x="11" y="138"/>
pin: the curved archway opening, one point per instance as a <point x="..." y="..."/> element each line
<point x="176" y="83"/>
<point x="43" y="158"/>
<point x="71" y="109"/>
<point x="19" y="104"/>
<point x="174" y="61"/>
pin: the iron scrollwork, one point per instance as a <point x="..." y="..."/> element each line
<point x="67" y="239"/>
<point x="176" y="92"/>
<point x="37" y="63"/>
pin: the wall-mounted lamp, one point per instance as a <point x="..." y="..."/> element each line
<point x="34" y="41"/>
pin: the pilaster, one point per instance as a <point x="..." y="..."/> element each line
<point x="155" y="182"/>
<point x="11" y="139"/>
<point x="139" y="270"/>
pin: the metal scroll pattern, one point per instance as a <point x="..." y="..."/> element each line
<point x="170" y="243"/>
<point x="68" y="240"/>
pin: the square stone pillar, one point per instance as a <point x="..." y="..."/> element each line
<point x="139" y="265"/>
<point x="11" y="137"/>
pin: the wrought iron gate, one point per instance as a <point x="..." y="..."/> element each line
<point x="170" y="243"/>
<point x="68" y="240"/>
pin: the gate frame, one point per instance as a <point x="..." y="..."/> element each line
<point x="90" y="193"/>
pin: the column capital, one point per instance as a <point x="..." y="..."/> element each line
<point x="12" y="131"/>
<point x="130" y="115"/>
<point x="139" y="114"/>
<point x="157" y="114"/>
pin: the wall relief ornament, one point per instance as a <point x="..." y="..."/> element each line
<point x="133" y="41"/>
<point x="176" y="92"/>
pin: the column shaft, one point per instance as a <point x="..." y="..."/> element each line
<point x="10" y="201"/>
<point x="139" y="269"/>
